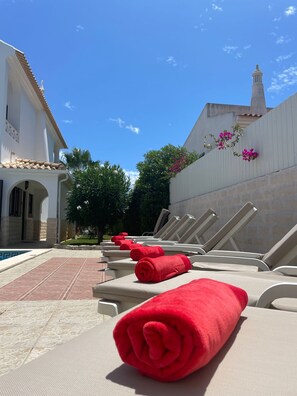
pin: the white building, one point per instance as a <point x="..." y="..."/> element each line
<point x="33" y="184"/>
<point x="215" y="117"/>
<point x="225" y="182"/>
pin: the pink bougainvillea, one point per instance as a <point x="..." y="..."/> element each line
<point x="228" y="139"/>
<point x="249" y="155"/>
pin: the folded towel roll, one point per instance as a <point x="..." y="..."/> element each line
<point x="121" y="241"/>
<point x="117" y="238"/>
<point x="161" y="268"/>
<point x="146" y="251"/>
<point x="129" y="246"/>
<point x="179" y="331"/>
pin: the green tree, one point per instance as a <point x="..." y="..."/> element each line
<point x="151" y="191"/>
<point x="78" y="159"/>
<point x="99" y="197"/>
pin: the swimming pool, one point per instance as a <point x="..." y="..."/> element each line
<point x="6" y="254"/>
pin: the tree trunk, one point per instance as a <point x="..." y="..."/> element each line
<point x="99" y="235"/>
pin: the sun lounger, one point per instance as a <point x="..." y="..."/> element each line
<point x="219" y="240"/>
<point x="123" y="293"/>
<point x="258" y="359"/>
<point x="222" y="237"/>
<point x="282" y="253"/>
<point x="160" y="234"/>
<point x="174" y="229"/>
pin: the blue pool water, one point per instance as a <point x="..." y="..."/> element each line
<point x="5" y="254"/>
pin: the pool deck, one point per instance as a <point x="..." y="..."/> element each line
<point x="46" y="301"/>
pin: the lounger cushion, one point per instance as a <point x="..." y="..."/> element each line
<point x="129" y="289"/>
<point x="258" y="359"/>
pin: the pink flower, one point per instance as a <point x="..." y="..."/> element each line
<point x="249" y="155"/>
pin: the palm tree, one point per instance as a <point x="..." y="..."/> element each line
<point x="78" y="159"/>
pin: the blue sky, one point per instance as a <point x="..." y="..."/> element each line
<point x="123" y="77"/>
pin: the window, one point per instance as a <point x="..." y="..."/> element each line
<point x="15" y="202"/>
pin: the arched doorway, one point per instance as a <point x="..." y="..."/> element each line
<point x="26" y="211"/>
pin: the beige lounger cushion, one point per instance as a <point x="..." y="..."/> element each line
<point x="128" y="289"/>
<point x="259" y="359"/>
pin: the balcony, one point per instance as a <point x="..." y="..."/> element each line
<point x="12" y="131"/>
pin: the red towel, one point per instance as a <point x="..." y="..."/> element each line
<point x="124" y="233"/>
<point x="179" y="331"/>
<point x="117" y="238"/>
<point x="146" y="251"/>
<point x="118" y="242"/>
<point x="161" y="268"/>
<point x="126" y="241"/>
<point x="129" y="246"/>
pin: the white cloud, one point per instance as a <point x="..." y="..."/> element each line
<point x="246" y="47"/>
<point x="69" y="106"/>
<point x="171" y="61"/>
<point x="67" y="121"/>
<point x="229" y="49"/>
<point x="79" y="28"/>
<point x="284" y="79"/>
<point x="277" y="19"/>
<point x="118" y="121"/>
<point x="122" y="124"/>
<point x="291" y="10"/>
<point x="216" y="7"/>
<point x="133" y="129"/>
<point x="133" y="176"/>
<point x="238" y="55"/>
<point x="282" y="58"/>
<point x="282" y="40"/>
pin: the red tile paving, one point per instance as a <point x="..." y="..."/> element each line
<point x="60" y="278"/>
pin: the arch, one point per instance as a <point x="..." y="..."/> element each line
<point x="24" y="209"/>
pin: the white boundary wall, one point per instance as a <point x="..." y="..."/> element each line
<point x="224" y="182"/>
<point x="274" y="137"/>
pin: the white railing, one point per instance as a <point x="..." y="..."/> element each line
<point x="12" y="131"/>
<point x="274" y="137"/>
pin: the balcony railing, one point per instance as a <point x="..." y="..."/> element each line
<point x="12" y="131"/>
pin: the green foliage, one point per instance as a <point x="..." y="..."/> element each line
<point x="78" y="159"/>
<point x="99" y="197"/>
<point x="151" y="192"/>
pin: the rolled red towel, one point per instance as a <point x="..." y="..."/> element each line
<point x="129" y="246"/>
<point x="117" y="238"/>
<point x="124" y="233"/>
<point x="179" y="331"/>
<point x="161" y="268"/>
<point x="146" y="251"/>
<point x="118" y="242"/>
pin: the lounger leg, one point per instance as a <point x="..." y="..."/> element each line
<point x="109" y="308"/>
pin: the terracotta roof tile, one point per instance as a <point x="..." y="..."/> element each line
<point x="20" y="163"/>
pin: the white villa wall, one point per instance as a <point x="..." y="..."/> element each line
<point x="28" y="121"/>
<point x="224" y="182"/>
<point x="4" y="53"/>
<point x="213" y="119"/>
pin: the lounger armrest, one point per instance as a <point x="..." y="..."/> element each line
<point x="159" y="243"/>
<point x="230" y="260"/>
<point x="187" y="248"/>
<point x="289" y="270"/>
<point x="234" y="253"/>
<point x="280" y="290"/>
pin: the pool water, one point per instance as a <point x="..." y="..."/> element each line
<point x="6" y="254"/>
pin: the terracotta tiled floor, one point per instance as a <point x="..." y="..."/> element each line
<point x="60" y="278"/>
<point x="45" y="302"/>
